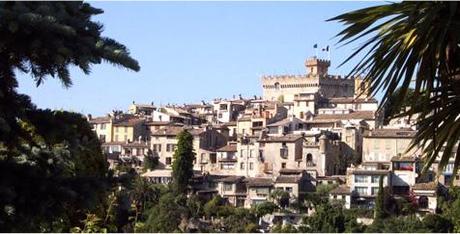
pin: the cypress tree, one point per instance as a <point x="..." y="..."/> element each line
<point x="182" y="165"/>
<point x="379" y="212"/>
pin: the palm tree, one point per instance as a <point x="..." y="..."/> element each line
<point x="413" y="45"/>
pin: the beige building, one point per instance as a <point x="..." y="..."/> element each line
<point x="381" y="145"/>
<point x="205" y="142"/>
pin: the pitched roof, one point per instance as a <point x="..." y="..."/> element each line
<point x="403" y="159"/>
<point x="352" y="100"/>
<point x="287" y="179"/>
<point x="342" y="189"/>
<point x="128" y="122"/>
<point x="391" y="133"/>
<point x="99" y="120"/>
<point x="259" y="182"/>
<point x="227" y="148"/>
<point x="158" y="123"/>
<point x="285" y="138"/>
<point x="230" y="179"/>
<point x="425" y="186"/>
<point x="367" y="115"/>
<point x="284" y="122"/>
<point x="168" y="131"/>
<point x="287" y="171"/>
<point x="370" y="172"/>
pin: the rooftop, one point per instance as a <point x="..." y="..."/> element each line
<point x="227" y="148"/>
<point x="286" y="138"/>
<point x="391" y="133"/>
<point x="341" y="190"/>
<point x="259" y="182"/>
<point x="368" y="115"/>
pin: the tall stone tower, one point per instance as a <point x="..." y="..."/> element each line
<point x="362" y="88"/>
<point x="317" y="67"/>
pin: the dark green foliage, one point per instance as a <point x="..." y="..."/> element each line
<point x="411" y="44"/>
<point x="379" y="210"/>
<point x="331" y="218"/>
<point x="408" y="224"/>
<point x="182" y="166"/>
<point x="166" y="216"/>
<point x="281" y="197"/>
<point x="211" y="208"/>
<point x="264" y="208"/>
<point x="437" y="223"/>
<point x="240" y="220"/>
<point x="150" y="162"/>
<point x="45" y="37"/>
<point x="53" y="172"/>
<point x="60" y="176"/>
<point x="391" y="108"/>
<point x="279" y="228"/>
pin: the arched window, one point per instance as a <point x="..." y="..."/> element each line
<point x="277" y="85"/>
<point x="423" y="202"/>
<point x="310" y="160"/>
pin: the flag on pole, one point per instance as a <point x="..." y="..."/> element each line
<point x="325" y="49"/>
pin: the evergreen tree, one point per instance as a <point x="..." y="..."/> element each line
<point x="182" y="166"/>
<point x="52" y="168"/>
<point x="379" y="210"/>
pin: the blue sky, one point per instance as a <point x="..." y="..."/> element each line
<point x="193" y="51"/>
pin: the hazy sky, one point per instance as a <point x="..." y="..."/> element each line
<point x="193" y="51"/>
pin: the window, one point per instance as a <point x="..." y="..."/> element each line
<point x="376" y="144"/>
<point x="213" y="157"/>
<point x="126" y="138"/>
<point x="103" y="126"/>
<point x="283" y="165"/>
<point x="403" y="166"/>
<point x="116" y="138"/>
<point x="116" y="129"/>
<point x="361" y="190"/>
<point x="170" y="147"/>
<point x="242" y="166"/>
<point x="301" y="115"/>
<point x="375" y="179"/>
<point x="284" y="152"/>
<point x="288" y="189"/>
<point x="261" y="192"/>
<point x="250" y="153"/>
<point x="228" y="187"/>
<point x="168" y="160"/>
<point x="157" y="147"/>
<point x="102" y="138"/>
<point x="348" y="139"/>
<point x="375" y="190"/>
<point x="126" y="129"/>
<point x="251" y="166"/>
<point x="387" y="144"/>
<point x="360" y="179"/>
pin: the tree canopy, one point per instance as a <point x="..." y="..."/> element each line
<point x="182" y="166"/>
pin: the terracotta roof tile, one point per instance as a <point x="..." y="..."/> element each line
<point x="367" y="115"/>
<point x="259" y="182"/>
<point x="391" y="133"/>
<point x="227" y="148"/>
<point x="286" y="138"/>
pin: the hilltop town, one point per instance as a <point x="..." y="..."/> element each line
<point x="306" y="131"/>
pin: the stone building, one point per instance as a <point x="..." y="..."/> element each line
<point x="317" y="80"/>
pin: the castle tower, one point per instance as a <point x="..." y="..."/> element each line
<point x="317" y="66"/>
